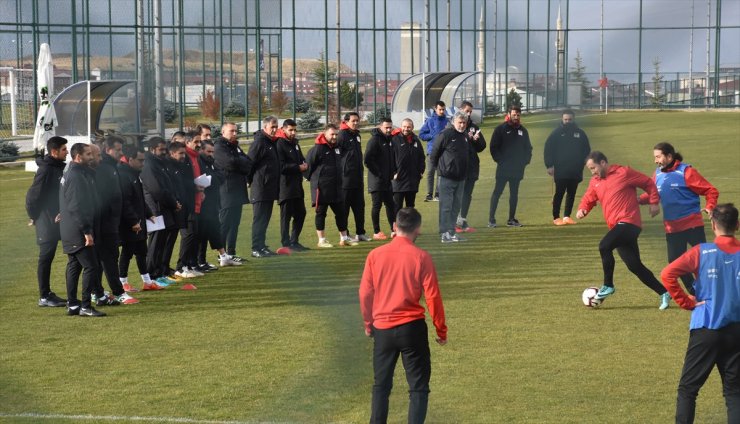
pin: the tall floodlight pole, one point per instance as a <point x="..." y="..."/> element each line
<point x="339" y="70"/>
<point x="158" y="65"/>
<point x="709" y="46"/>
<point x="449" y="68"/>
<point x="427" y="41"/>
<point x="481" y="57"/>
<point x="495" y="52"/>
<point x="601" y="56"/>
<point x="140" y="47"/>
<point x="691" y="58"/>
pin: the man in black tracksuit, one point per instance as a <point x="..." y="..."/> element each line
<point x="209" y="227"/>
<point x="134" y="215"/>
<point x="264" y="181"/>
<point x="566" y="150"/>
<point x="235" y="165"/>
<point x="324" y="171"/>
<point x="350" y="146"/>
<point x="79" y="228"/>
<point x="182" y="166"/>
<point x="292" y="167"/>
<point x="181" y="175"/>
<point x="477" y="144"/>
<point x="159" y="194"/>
<point x="409" y="165"/>
<point x="42" y="206"/>
<point x="379" y="163"/>
<point x="111" y="203"/>
<point x="512" y="151"/>
<point x="450" y="157"/>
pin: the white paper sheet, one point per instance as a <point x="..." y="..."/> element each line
<point x="157" y="225"/>
<point x="203" y="180"/>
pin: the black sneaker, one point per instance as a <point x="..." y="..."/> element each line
<point x="208" y="267"/>
<point x="52" y="301"/>
<point x="237" y="258"/>
<point x="73" y="310"/>
<point x="428" y="198"/>
<point x="202" y="268"/>
<point x="513" y="223"/>
<point x="263" y="253"/>
<point x="91" y="312"/>
<point x="105" y="301"/>
<point x="298" y="247"/>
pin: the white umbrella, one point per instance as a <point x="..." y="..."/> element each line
<point x="46" y="120"/>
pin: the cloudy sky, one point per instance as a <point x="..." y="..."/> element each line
<point x="664" y="35"/>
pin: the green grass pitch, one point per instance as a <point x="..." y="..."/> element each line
<point x="281" y="339"/>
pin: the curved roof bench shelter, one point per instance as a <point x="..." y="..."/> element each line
<point x="89" y="107"/>
<point x="86" y="107"/>
<point x="416" y="96"/>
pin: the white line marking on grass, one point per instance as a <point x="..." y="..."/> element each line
<point x="18" y="179"/>
<point x="33" y="415"/>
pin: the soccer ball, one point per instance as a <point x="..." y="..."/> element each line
<point x="589" y="297"/>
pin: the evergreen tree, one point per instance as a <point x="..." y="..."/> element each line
<point x="659" y="96"/>
<point x="382" y="111"/>
<point x="578" y="74"/>
<point x="348" y="94"/>
<point x="513" y="98"/>
<point x="309" y="121"/>
<point x="321" y="74"/>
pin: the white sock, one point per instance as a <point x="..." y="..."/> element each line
<point x="146" y="278"/>
<point x="124" y="280"/>
<point x="322" y="239"/>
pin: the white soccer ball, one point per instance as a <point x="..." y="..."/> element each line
<point x="589" y="297"/>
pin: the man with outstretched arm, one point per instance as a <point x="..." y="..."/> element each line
<point x="615" y="186"/>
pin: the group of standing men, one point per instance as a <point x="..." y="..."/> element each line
<point x="101" y="206"/>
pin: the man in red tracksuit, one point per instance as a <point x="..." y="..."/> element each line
<point x="395" y="277"/>
<point x="679" y="186"/>
<point x="615" y="186"/>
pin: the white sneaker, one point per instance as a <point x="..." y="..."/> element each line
<point x="346" y="241"/>
<point x="126" y="299"/>
<point x="324" y="244"/>
<point x="185" y="273"/>
<point x="196" y="272"/>
<point x="362" y="237"/>
<point x="226" y="260"/>
<point x="94" y="298"/>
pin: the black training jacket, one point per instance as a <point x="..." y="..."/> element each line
<point x="410" y="163"/>
<point x="291" y="177"/>
<point x="451" y="154"/>
<point x="264" y="178"/>
<point x="78" y="204"/>
<point x="42" y="198"/>
<point x="379" y="161"/>
<point x="235" y="165"/>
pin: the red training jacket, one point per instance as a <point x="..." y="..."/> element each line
<point x="199" y="195"/>
<point x="618" y="195"/>
<point x="396" y="275"/>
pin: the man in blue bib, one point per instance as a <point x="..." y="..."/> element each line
<point x="715" y="318"/>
